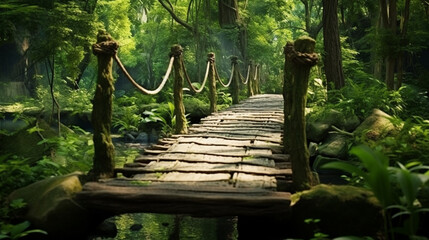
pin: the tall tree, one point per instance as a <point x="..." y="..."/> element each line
<point x="332" y="56"/>
<point x="388" y="15"/>
<point x="312" y="29"/>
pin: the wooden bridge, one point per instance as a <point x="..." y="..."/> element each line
<point x="231" y="164"/>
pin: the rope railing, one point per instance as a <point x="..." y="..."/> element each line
<point x="211" y="75"/>
<point x="204" y="81"/>
<point x="230" y="78"/>
<point x="140" y="88"/>
<point x="247" y="77"/>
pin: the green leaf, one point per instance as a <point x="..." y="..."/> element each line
<point x="347" y="167"/>
<point x="19" y="228"/>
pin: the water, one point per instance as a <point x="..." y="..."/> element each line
<point x="173" y="227"/>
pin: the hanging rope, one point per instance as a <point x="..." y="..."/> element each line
<point x="247" y="77"/>
<point x="230" y="78"/>
<point x="140" y="88"/>
<point x="205" y="77"/>
<point x="256" y="72"/>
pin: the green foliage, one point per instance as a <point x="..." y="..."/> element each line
<point x="73" y="152"/>
<point x="396" y="188"/>
<point x="10" y="231"/>
<point x="126" y="116"/>
<point x="361" y="98"/>
<point x="165" y="116"/>
<point x="410" y="144"/>
<point x="14" y="173"/>
<point x="15" y="231"/>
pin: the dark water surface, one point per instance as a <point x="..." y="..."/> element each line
<point x="146" y="226"/>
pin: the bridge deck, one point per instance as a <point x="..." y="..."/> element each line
<point x="229" y="164"/>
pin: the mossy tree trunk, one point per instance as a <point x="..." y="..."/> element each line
<point x="250" y="83"/>
<point x="103" y="166"/>
<point x="235" y="87"/>
<point x="300" y="57"/>
<point x="256" y="78"/>
<point x="212" y="83"/>
<point x="179" y="76"/>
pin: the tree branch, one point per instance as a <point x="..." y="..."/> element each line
<point x="175" y="17"/>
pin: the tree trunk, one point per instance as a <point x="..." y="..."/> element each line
<point x="212" y="83"/>
<point x="388" y="14"/>
<point x="300" y="57"/>
<point x="405" y="16"/>
<point x="104" y="164"/>
<point x="228" y="13"/>
<point x="82" y="66"/>
<point x="179" y="76"/>
<point x="332" y="57"/>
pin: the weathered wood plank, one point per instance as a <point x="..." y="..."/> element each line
<point x="209" y="168"/>
<point x="195" y="201"/>
<point x="183" y="177"/>
<point x="243" y="180"/>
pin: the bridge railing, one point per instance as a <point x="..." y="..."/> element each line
<point x="106" y="50"/>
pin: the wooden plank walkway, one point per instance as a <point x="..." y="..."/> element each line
<point x="231" y="164"/>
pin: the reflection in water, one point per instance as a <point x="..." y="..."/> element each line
<point x="173" y="227"/>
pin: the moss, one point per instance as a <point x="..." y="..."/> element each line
<point x="26" y="144"/>
<point x="376" y="126"/>
<point x="342" y="210"/>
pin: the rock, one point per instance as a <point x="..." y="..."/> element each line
<point x="136" y="227"/>
<point x="25" y="144"/>
<point x="375" y="127"/>
<point x="313" y="149"/>
<point x="106" y="229"/>
<point x="342" y="211"/>
<point x="351" y="123"/>
<point x="336" y="146"/>
<point x="129" y="137"/>
<point x="142" y="138"/>
<point x="317" y="131"/>
<point x="333" y="117"/>
<point x="51" y="207"/>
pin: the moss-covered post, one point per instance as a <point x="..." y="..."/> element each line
<point x="300" y="57"/>
<point x="104" y="164"/>
<point x="179" y="76"/>
<point x="250" y="83"/>
<point x="212" y="83"/>
<point x="256" y="89"/>
<point x="235" y="88"/>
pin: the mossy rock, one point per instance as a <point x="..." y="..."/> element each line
<point x="317" y="131"/>
<point x="376" y="126"/>
<point x="196" y="109"/>
<point x="341" y="211"/>
<point x="336" y="146"/>
<point x="25" y="143"/>
<point x="51" y="207"/>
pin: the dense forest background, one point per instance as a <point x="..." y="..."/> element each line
<point x="374" y="54"/>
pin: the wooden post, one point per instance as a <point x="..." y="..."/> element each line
<point x="250" y="83"/>
<point x="212" y="83"/>
<point x="179" y="76"/>
<point x="104" y="164"/>
<point x="300" y="57"/>
<point x="256" y="77"/>
<point x="235" y="88"/>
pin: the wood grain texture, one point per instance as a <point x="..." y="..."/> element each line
<point x="232" y="163"/>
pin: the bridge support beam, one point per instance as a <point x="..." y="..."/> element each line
<point x="212" y="83"/>
<point x="179" y="76"/>
<point x="299" y="58"/>
<point x="235" y="87"/>
<point x="250" y="88"/>
<point x="104" y="164"/>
